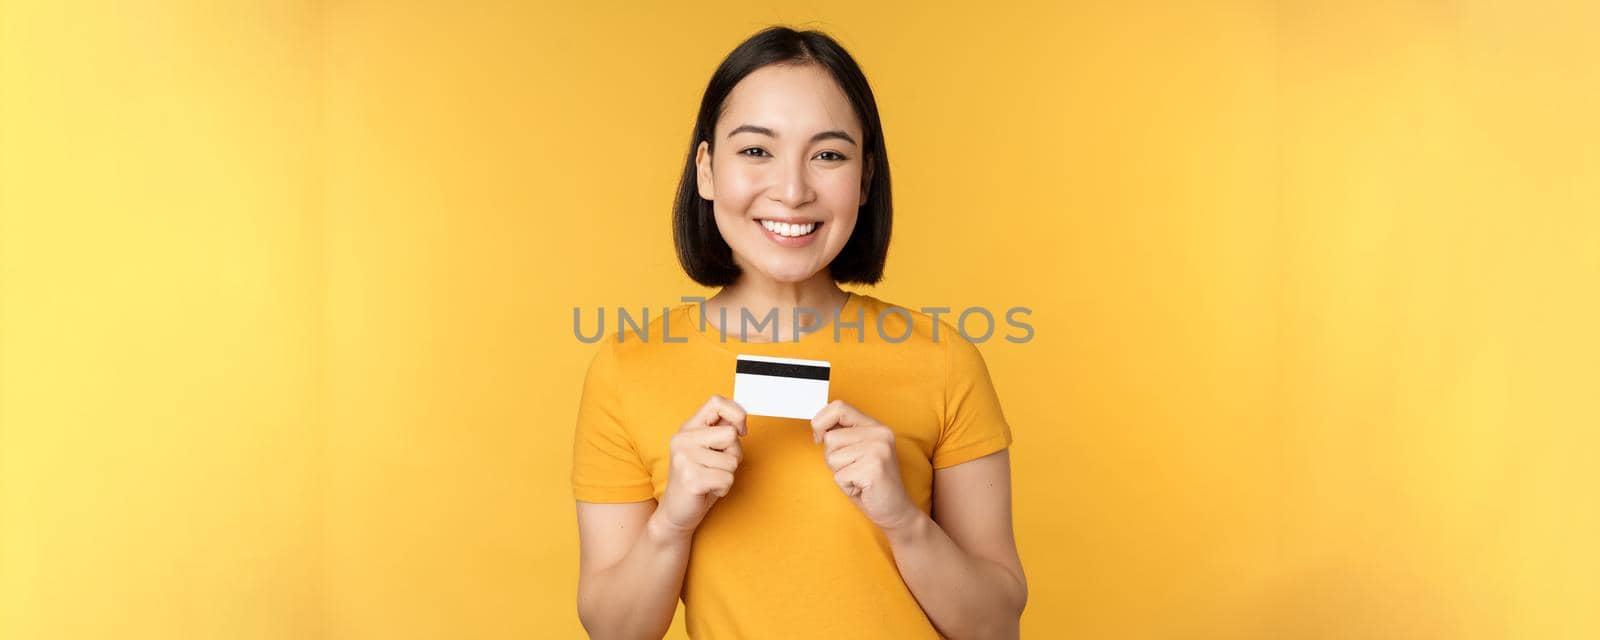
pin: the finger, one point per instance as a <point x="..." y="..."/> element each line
<point x="835" y="415"/>
<point x="719" y="437"/>
<point x="850" y="481"/>
<point x="839" y="438"/>
<point x="725" y="411"/>
<point x="842" y="457"/>
<point x="712" y="413"/>
<point x="714" y="459"/>
<point x="824" y="419"/>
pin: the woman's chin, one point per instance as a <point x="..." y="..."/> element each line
<point x="787" y="273"/>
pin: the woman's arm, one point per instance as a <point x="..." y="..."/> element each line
<point x="962" y="563"/>
<point x="631" y="556"/>
<point x="630" y="569"/>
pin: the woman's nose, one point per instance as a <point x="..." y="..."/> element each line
<point x="793" y="188"/>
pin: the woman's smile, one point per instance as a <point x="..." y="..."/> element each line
<point x="789" y="233"/>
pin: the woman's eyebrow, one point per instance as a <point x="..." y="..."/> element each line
<point x="835" y="134"/>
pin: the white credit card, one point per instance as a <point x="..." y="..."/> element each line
<point x="780" y="387"/>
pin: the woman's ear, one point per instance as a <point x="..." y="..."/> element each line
<point x="702" y="164"/>
<point x="866" y="181"/>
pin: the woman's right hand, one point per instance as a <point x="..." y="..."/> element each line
<point x="704" y="454"/>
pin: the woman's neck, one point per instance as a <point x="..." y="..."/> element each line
<point x="818" y="298"/>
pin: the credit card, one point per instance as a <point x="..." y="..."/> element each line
<point x="780" y="387"/>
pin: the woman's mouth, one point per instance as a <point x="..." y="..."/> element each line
<point x="790" y="234"/>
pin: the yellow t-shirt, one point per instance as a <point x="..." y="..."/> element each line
<point x="785" y="554"/>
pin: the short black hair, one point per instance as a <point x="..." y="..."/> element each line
<point x="701" y="250"/>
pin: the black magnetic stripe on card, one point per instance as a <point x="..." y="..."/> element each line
<point x="782" y="369"/>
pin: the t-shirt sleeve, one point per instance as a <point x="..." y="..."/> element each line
<point x="606" y="466"/>
<point x="974" y="425"/>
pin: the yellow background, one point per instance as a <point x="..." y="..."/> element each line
<point x="286" y="296"/>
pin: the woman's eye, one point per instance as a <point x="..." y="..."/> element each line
<point x="758" y="152"/>
<point x="835" y="155"/>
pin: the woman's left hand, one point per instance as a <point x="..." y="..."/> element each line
<point x="860" y="451"/>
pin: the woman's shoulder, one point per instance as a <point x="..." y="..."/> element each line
<point x="938" y="338"/>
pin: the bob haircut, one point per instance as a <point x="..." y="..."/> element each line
<point x="701" y="250"/>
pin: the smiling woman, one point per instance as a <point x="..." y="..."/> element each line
<point x="790" y="119"/>
<point x="888" y="513"/>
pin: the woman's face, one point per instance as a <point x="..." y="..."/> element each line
<point x="787" y="177"/>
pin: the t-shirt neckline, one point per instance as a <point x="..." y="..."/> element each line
<point x="714" y="336"/>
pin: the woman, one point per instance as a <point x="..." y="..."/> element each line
<point x="888" y="515"/>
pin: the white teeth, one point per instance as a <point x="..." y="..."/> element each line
<point x="789" y="230"/>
